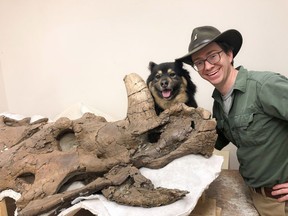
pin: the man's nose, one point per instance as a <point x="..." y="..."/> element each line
<point x="208" y="65"/>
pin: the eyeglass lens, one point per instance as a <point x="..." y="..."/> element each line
<point x="212" y="59"/>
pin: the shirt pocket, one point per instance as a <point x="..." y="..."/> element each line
<point x="243" y="121"/>
<point x="245" y="130"/>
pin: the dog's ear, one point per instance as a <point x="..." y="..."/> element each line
<point x="151" y="65"/>
<point x="178" y="64"/>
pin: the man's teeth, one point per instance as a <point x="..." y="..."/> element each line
<point x="211" y="74"/>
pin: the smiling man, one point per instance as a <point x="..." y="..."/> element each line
<point x="251" y="112"/>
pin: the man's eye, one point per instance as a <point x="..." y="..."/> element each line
<point x="213" y="56"/>
<point x="199" y="63"/>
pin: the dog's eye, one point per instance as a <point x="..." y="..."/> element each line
<point x="158" y="76"/>
<point x="172" y="75"/>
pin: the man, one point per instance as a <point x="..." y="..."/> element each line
<point x="251" y="109"/>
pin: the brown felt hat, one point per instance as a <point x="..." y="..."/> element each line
<point x="204" y="35"/>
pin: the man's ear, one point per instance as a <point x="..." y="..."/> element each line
<point x="230" y="55"/>
<point x="151" y="65"/>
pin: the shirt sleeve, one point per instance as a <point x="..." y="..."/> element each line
<point x="273" y="96"/>
<point x="221" y="141"/>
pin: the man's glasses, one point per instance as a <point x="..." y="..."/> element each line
<point x="212" y="59"/>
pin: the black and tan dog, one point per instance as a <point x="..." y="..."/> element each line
<point x="169" y="84"/>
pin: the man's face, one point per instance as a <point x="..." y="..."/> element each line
<point x="217" y="72"/>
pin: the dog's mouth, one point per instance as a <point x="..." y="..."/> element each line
<point x="166" y="94"/>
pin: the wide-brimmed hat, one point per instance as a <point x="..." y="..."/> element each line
<point x="204" y="35"/>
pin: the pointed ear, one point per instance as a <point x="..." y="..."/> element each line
<point x="178" y="64"/>
<point x="151" y="65"/>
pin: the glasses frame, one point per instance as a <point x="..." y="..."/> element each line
<point x="207" y="59"/>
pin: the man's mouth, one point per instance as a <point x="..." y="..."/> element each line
<point x="166" y="93"/>
<point x="213" y="73"/>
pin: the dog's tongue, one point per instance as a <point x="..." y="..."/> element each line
<point x="166" y="93"/>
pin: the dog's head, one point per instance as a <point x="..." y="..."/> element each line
<point x="166" y="80"/>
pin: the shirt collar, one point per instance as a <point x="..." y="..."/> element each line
<point x="240" y="83"/>
<point x="241" y="79"/>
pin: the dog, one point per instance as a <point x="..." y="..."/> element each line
<point x="169" y="84"/>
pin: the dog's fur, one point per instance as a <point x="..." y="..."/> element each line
<point x="169" y="84"/>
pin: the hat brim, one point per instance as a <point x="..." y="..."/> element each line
<point x="231" y="37"/>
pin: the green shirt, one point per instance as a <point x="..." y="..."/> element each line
<point x="257" y="124"/>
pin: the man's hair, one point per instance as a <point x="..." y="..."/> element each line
<point x="226" y="48"/>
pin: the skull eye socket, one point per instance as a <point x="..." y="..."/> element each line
<point x="27" y="178"/>
<point x="67" y="140"/>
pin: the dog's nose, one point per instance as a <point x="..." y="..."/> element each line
<point x="164" y="83"/>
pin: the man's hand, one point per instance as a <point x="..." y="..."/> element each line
<point x="281" y="189"/>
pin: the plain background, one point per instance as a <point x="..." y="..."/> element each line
<point x="56" y="53"/>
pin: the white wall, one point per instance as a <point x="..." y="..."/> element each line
<point x="60" y="52"/>
<point x="3" y="99"/>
